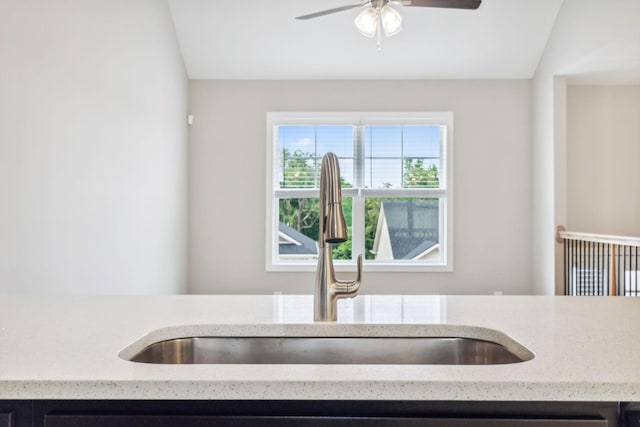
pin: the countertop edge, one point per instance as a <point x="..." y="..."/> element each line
<point x="319" y="390"/>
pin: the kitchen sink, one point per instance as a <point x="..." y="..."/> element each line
<point x="330" y="350"/>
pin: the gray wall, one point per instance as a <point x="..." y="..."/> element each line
<point x="492" y="225"/>
<point x="603" y="151"/>
<point x="93" y="99"/>
<point x="588" y="36"/>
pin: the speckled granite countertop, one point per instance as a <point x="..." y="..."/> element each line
<point x="67" y="347"/>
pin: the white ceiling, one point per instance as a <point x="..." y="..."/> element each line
<point x="260" y="39"/>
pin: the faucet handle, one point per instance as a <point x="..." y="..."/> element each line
<point x="348" y="288"/>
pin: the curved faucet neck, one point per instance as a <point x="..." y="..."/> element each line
<point x="332" y="229"/>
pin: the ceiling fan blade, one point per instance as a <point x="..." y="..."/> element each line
<point x="329" y="11"/>
<point x="452" y="4"/>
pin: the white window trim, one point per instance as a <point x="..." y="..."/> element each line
<point x="357" y="118"/>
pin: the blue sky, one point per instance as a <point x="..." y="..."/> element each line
<point x="384" y="148"/>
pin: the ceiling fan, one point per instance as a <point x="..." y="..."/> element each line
<point x="379" y="13"/>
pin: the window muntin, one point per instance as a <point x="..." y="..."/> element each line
<point x="395" y="163"/>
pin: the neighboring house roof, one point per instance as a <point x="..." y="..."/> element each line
<point x="421" y="249"/>
<point x="410" y="226"/>
<point x="293" y="242"/>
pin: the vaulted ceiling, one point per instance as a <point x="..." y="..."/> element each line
<point x="261" y="39"/>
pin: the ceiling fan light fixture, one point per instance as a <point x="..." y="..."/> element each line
<point x="367" y="22"/>
<point x="391" y="21"/>
<point x="378" y="13"/>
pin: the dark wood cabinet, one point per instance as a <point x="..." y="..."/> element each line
<point x="15" y="413"/>
<point x="132" y="413"/>
<point x="243" y="421"/>
<point x="6" y="419"/>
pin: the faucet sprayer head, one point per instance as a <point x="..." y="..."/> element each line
<point x="333" y="228"/>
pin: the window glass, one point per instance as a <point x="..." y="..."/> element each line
<point x="404" y="229"/>
<point x="298" y="229"/>
<point x="402" y="156"/>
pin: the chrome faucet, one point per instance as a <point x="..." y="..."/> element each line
<point x="333" y="229"/>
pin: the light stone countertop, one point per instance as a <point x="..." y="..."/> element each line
<point x="67" y="347"/>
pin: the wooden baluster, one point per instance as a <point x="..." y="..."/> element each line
<point x="612" y="270"/>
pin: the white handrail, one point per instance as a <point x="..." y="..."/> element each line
<point x="562" y="234"/>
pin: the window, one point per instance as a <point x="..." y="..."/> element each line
<point x="396" y="174"/>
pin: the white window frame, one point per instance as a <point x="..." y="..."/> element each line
<point x="445" y="192"/>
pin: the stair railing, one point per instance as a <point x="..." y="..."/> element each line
<point x="598" y="264"/>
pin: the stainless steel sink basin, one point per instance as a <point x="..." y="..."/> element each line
<point x="328" y="350"/>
